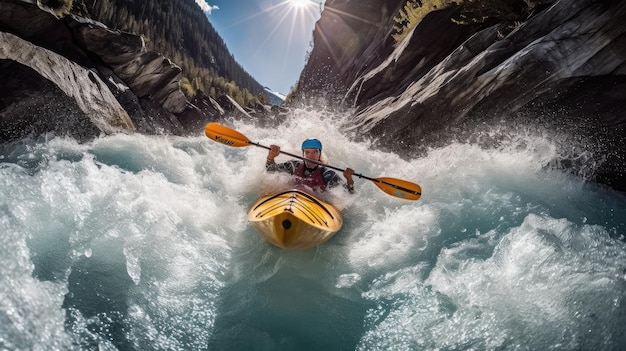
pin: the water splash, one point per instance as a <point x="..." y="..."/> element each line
<point x="137" y="242"/>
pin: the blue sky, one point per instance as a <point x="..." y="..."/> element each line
<point x="269" y="38"/>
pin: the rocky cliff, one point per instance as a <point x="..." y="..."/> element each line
<point x="562" y="70"/>
<point x="75" y="76"/>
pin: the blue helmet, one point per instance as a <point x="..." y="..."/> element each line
<point x="312" y="144"/>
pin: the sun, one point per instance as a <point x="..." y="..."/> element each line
<point x="300" y="3"/>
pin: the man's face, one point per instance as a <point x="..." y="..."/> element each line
<point x="313" y="154"/>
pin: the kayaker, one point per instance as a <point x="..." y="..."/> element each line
<point x="308" y="173"/>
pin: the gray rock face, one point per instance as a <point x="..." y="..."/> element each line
<point x="107" y="76"/>
<point x="563" y="66"/>
<point x="97" y="102"/>
<point x="349" y="39"/>
<point x="147" y="73"/>
<point x="26" y="94"/>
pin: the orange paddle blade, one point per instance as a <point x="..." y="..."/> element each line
<point x="398" y="188"/>
<point x="225" y="135"/>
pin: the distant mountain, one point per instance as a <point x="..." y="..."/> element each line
<point x="276" y="98"/>
<point x="181" y="31"/>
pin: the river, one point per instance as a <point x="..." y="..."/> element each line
<point x="133" y="242"/>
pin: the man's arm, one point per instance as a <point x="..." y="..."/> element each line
<point x="272" y="166"/>
<point x="287" y="167"/>
<point x="332" y="179"/>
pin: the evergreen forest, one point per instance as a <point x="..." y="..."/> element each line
<point x="179" y="30"/>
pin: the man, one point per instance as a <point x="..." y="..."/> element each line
<point x="308" y="173"/>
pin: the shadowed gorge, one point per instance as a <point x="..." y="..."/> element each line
<point x="123" y="227"/>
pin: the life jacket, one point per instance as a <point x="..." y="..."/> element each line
<point x="315" y="180"/>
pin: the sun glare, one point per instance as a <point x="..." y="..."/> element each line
<point x="288" y="26"/>
<point x="300" y="3"/>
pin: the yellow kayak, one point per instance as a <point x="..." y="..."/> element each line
<point x="294" y="220"/>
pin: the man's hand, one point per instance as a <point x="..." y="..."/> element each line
<point x="348" y="175"/>
<point x="274" y="151"/>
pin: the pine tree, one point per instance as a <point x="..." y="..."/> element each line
<point x="412" y="14"/>
<point x="180" y="31"/>
<point x="59" y="7"/>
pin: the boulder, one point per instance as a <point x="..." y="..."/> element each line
<point x="147" y="73"/>
<point x="84" y="86"/>
<point x="31" y="105"/>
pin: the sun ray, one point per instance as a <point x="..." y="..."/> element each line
<point x="272" y="32"/>
<point x="329" y="46"/>
<point x="283" y="27"/>
<point x="343" y="13"/>
<point x="325" y="37"/>
<point x="258" y="14"/>
<point x="296" y="10"/>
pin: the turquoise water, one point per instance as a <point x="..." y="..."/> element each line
<point x="137" y="242"/>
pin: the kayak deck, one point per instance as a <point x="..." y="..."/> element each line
<point x="294" y="219"/>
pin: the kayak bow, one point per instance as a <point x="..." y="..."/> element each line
<point x="294" y="220"/>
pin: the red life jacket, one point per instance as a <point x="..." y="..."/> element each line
<point x="314" y="181"/>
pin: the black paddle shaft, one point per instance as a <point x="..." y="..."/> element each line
<point x="338" y="169"/>
<point x="314" y="161"/>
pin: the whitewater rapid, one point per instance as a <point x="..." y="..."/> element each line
<point x="133" y="242"/>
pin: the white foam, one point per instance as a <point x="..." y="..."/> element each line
<point x="541" y="275"/>
<point x="499" y="247"/>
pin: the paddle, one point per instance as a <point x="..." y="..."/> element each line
<point x="392" y="186"/>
